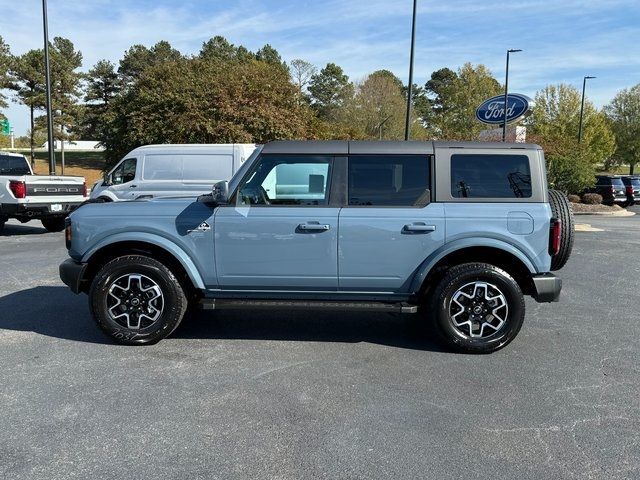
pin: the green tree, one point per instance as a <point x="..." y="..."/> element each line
<point x="28" y="73"/>
<point x="196" y="101"/>
<point x="329" y="89"/>
<point x="5" y="71"/>
<point x="624" y="115"/>
<point x="102" y="86"/>
<point x="455" y="100"/>
<point x="65" y="89"/>
<point x="139" y="57"/>
<point x="554" y="124"/>
<point x="218" y="48"/>
<point x="378" y="108"/>
<point x="270" y="55"/>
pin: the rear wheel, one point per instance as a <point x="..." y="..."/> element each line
<point x="476" y="308"/>
<point x="561" y="209"/>
<point x="53" y="224"/>
<point x="137" y="300"/>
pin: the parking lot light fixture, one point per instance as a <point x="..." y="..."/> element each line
<point x="407" y="124"/>
<point x="584" y="87"/>
<point x="506" y="93"/>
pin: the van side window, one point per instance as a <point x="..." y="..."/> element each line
<point x="162" y="167"/>
<point x="490" y="176"/>
<point x="125" y="172"/>
<point x="287" y="180"/>
<point x="389" y="180"/>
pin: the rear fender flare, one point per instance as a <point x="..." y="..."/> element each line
<point x="449" y="248"/>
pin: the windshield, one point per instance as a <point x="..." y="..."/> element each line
<point x="235" y="180"/>
<point x="12" y="165"/>
<point x="632" y="181"/>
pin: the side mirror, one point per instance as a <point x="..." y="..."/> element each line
<point x="106" y="180"/>
<point x="220" y="193"/>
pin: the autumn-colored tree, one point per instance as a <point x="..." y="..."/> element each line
<point x="5" y="71"/>
<point x="200" y="101"/>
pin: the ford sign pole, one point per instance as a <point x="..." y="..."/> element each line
<point x="506" y="95"/>
<point x="584" y="86"/>
<point x="407" y="124"/>
<point x="52" y="158"/>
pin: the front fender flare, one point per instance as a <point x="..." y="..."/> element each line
<point x="153" y="239"/>
<point x="449" y="248"/>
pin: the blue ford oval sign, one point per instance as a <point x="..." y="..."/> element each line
<point x="492" y="111"/>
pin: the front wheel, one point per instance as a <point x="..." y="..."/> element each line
<point x="477" y="308"/>
<point x="53" y="224"/>
<point x="137" y="300"/>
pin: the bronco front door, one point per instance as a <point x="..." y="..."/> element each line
<point x="279" y="231"/>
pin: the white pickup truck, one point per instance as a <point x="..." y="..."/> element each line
<point x="25" y="196"/>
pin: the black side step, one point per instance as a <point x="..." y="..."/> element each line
<point x="339" y="306"/>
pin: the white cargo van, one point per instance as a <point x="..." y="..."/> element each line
<point x="168" y="170"/>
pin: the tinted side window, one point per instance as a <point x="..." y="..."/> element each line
<point x="287" y="180"/>
<point x="389" y="180"/>
<point x="490" y="176"/>
<point x="11" y="165"/>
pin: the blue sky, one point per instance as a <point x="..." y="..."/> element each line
<point x="563" y="40"/>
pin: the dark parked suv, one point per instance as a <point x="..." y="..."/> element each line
<point x="632" y="189"/>
<point x="611" y="188"/>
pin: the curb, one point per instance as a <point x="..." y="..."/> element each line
<point x="609" y="214"/>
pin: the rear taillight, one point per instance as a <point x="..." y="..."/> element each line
<point x="84" y="189"/>
<point x="613" y="189"/>
<point x="629" y="190"/>
<point x="67" y="233"/>
<point x="19" y="189"/>
<point x="554" y="237"/>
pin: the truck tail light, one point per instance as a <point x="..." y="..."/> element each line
<point x="19" y="189"/>
<point x="84" y="189"/>
<point x="554" y="237"/>
<point x="629" y="190"/>
<point x="613" y="189"/>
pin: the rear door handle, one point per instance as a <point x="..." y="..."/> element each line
<point x="418" y="228"/>
<point x="313" y="227"/>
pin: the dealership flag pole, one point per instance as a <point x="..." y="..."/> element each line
<point x="52" y="158"/>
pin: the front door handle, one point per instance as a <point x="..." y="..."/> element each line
<point x="418" y="228"/>
<point x="313" y="227"/>
<point x="133" y="186"/>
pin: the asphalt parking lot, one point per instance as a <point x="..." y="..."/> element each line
<point x="290" y="396"/>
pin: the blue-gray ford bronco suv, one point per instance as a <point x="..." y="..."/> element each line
<point x="454" y="233"/>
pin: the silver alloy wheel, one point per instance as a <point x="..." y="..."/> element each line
<point x="135" y="301"/>
<point x="478" y="310"/>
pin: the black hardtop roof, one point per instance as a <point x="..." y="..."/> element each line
<point x="345" y="147"/>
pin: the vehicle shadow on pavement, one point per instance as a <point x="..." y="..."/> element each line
<point x="53" y="311"/>
<point x="11" y="229"/>
<point x="56" y="312"/>
<point x="394" y="330"/>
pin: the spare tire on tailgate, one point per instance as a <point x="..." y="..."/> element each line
<point x="561" y="210"/>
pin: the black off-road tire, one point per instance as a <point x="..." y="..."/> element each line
<point x="561" y="209"/>
<point x="174" y="299"/>
<point x="438" y="308"/>
<point x="53" y="224"/>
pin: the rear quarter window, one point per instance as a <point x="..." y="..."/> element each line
<point x="490" y="176"/>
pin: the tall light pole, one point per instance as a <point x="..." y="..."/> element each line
<point x="506" y="93"/>
<point x="407" y="124"/>
<point x="584" y="86"/>
<point x="52" y="158"/>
